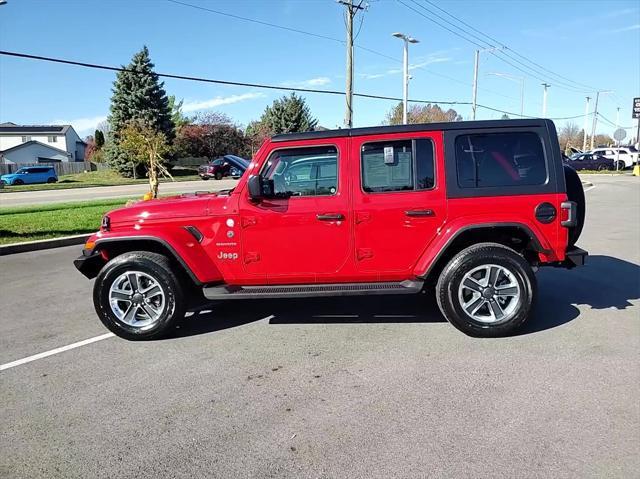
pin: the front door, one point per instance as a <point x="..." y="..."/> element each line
<point x="399" y="202"/>
<point x="302" y="234"/>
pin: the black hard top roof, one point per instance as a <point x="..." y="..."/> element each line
<point x="381" y="130"/>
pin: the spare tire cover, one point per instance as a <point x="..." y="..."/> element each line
<point x="575" y="193"/>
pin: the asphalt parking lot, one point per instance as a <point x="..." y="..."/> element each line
<point x="350" y="387"/>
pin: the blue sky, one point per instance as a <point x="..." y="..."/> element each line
<point x="596" y="43"/>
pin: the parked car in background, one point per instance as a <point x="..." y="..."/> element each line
<point x="625" y="157"/>
<point x="589" y="161"/>
<point x="30" y="175"/>
<point x="227" y="165"/>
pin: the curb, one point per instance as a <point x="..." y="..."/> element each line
<point x="42" y="244"/>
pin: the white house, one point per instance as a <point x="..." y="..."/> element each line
<point x="40" y="143"/>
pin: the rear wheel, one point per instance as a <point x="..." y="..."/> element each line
<point x="575" y="193"/>
<point x="51" y="180"/>
<point x="137" y="296"/>
<point x="619" y="165"/>
<point x="218" y="175"/>
<point x="486" y="290"/>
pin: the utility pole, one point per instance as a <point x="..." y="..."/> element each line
<point x="476" y="66"/>
<point x="350" y="13"/>
<point x="584" y="129"/>
<point x="474" y="102"/>
<point x="595" y="120"/>
<point x="544" y="99"/>
<point x="405" y="72"/>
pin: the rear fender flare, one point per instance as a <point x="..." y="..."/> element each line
<point x="438" y="248"/>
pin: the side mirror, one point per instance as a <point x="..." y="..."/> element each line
<point x="255" y="187"/>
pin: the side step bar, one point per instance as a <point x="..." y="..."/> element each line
<point x="310" y="290"/>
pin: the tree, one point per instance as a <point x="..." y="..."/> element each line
<point x="145" y="145"/>
<point x="177" y="117"/>
<point x="288" y="114"/>
<point x="570" y="135"/>
<point x="504" y="117"/>
<point x="98" y="138"/>
<point x="256" y="133"/>
<point x="139" y="95"/>
<point x="210" y="135"/>
<point x="421" y="114"/>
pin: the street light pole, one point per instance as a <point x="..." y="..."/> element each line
<point x="544" y="99"/>
<point x="474" y="101"/>
<point x="405" y="72"/>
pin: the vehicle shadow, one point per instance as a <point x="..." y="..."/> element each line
<point x="605" y="282"/>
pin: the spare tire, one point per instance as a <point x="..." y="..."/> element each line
<point x="575" y="193"/>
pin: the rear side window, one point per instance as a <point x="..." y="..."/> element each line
<point x="403" y="165"/>
<point x="500" y="159"/>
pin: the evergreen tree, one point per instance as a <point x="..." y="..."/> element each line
<point x="139" y="95"/>
<point x="98" y="138"/>
<point x="288" y="114"/>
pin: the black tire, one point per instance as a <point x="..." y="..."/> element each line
<point x="52" y="180"/>
<point x="575" y="193"/>
<point x="619" y="165"/>
<point x="447" y="289"/>
<point x="157" y="267"/>
<point x="205" y="178"/>
<point x="17" y="182"/>
<point x="219" y="175"/>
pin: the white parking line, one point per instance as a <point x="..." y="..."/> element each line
<point x="55" y="351"/>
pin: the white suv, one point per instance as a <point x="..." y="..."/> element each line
<point x="625" y="157"/>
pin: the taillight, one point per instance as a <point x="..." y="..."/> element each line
<point x="571" y="207"/>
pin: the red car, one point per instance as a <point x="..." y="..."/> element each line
<point x="471" y="209"/>
<point x="228" y="165"/>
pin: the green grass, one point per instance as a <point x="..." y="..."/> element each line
<point x="19" y="224"/>
<point x="602" y="172"/>
<point x="98" y="178"/>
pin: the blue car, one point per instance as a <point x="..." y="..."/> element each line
<point x="30" y="175"/>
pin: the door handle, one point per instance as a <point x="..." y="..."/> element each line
<point x="330" y="217"/>
<point x="417" y="213"/>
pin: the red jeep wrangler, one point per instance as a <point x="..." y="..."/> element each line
<point x="471" y="208"/>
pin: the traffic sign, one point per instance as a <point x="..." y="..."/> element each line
<point x="619" y="134"/>
<point x="636" y="108"/>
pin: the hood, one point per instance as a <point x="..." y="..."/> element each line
<point x="8" y="175"/>
<point x="183" y="206"/>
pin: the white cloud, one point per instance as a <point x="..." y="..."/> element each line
<point x="421" y="63"/>
<point x="189" y="106"/>
<point x="82" y="125"/>
<point x="626" y="29"/>
<point x="313" y="82"/>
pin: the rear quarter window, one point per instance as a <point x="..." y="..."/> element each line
<point x="500" y="160"/>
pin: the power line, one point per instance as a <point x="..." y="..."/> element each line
<point x="333" y="39"/>
<point x="529" y="116"/>
<point x="216" y="81"/>
<point x="253" y="85"/>
<point x="529" y="70"/>
<point x="506" y="47"/>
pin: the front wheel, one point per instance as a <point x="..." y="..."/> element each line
<point x="137" y="296"/>
<point x="18" y="182"/>
<point x="218" y="175"/>
<point x="487" y="290"/>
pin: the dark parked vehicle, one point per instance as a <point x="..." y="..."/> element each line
<point x="227" y="165"/>
<point x="588" y="161"/>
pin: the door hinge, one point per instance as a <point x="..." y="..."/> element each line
<point x="362" y="216"/>
<point x="248" y="221"/>
<point x="251" y="258"/>
<point x="364" y="253"/>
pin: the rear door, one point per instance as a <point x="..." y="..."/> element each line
<point x="398" y="201"/>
